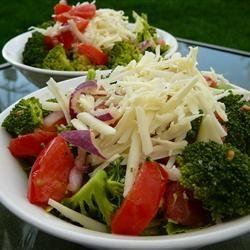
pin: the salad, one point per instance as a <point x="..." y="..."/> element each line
<point x="82" y="37"/>
<point x="157" y="147"/>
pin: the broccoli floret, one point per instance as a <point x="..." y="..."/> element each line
<point x="238" y="124"/>
<point x="81" y="63"/>
<point x="98" y="196"/>
<point x="122" y="53"/>
<point x="25" y="117"/>
<point x="218" y="175"/>
<point x="35" y="50"/>
<point x="115" y="183"/>
<point x="57" y="59"/>
<point x="47" y="24"/>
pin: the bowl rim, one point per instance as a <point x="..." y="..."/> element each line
<point x="57" y="227"/>
<point x="25" y="35"/>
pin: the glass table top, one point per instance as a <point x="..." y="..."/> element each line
<point x="17" y="234"/>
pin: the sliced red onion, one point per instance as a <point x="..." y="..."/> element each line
<point x="105" y="117"/>
<point x="52" y="118"/>
<point x="83" y="139"/>
<point x="78" y="171"/>
<point x="83" y="88"/>
<point x="80" y="159"/>
<point x="75" y="180"/>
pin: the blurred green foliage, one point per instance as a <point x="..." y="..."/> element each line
<point x="221" y="22"/>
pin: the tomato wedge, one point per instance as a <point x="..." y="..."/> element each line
<point x="142" y="202"/>
<point x="49" y="175"/>
<point x="81" y="23"/>
<point x="60" y="8"/>
<point x="30" y="145"/>
<point x="95" y="55"/>
<point x="83" y="10"/>
<point x="62" y="18"/>
<point x="66" y="38"/>
<point x="181" y="207"/>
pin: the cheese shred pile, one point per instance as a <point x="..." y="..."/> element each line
<point x="153" y="103"/>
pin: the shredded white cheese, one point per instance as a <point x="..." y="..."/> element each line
<point x="155" y="101"/>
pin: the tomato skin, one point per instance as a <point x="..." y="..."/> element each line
<point x="142" y="202"/>
<point x="50" y="42"/>
<point x="180" y="206"/>
<point x="62" y="18"/>
<point x="60" y="8"/>
<point x="84" y="10"/>
<point x="30" y="145"/>
<point x="66" y="38"/>
<point x="50" y="173"/>
<point x="81" y="23"/>
<point x="95" y="55"/>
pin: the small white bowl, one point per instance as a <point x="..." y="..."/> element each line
<point x="13" y="49"/>
<point x="13" y="189"/>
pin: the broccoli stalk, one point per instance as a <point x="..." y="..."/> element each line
<point x="25" y="117"/>
<point x="57" y="59"/>
<point x="102" y="194"/>
<point x="218" y="175"/>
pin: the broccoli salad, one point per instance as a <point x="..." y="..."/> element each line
<point x="82" y="37"/>
<point x="156" y="147"/>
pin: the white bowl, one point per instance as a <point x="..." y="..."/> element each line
<point x="13" y="49"/>
<point x="13" y="188"/>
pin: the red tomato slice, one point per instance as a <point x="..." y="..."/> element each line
<point x="30" y="145"/>
<point x="95" y="55"/>
<point x="61" y="8"/>
<point x="83" y="10"/>
<point x="181" y="207"/>
<point x="66" y="38"/>
<point x="81" y="23"/>
<point x="142" y="202"/>
<point x="51" y="42"/>
<point x="62" y="18"/>
<point x="49" y="175"/>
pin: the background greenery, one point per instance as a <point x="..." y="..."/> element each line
<point x="221" y="22"/>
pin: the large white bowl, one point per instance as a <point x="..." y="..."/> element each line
<point x="13" y="49"/>
<point x="13" y="188"/>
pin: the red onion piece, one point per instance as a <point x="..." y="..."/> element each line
<point x="83" y="139"/>
<point x="75" y="180"/>
<point x="52" y="118"/>
<point x="77" y="172"/>
<point x="83" y="88"/>
<point x="105" y="117"/>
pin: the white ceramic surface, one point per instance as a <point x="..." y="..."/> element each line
<point x="13" y="187"/>
<point x="12" y="52"/>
